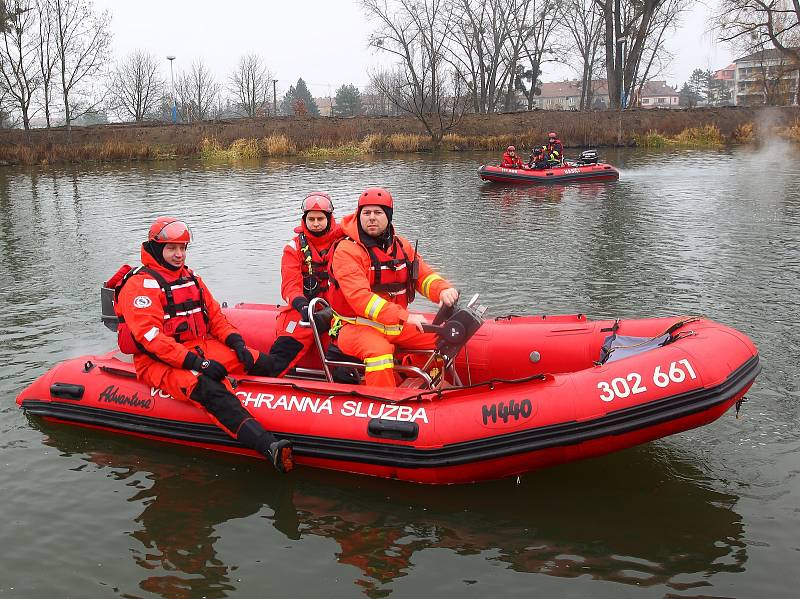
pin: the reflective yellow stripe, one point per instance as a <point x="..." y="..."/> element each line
<point x="374" y="306"/>
<point x="383" y="362"/>
<point x="426" y="283"/>
<point x="386" y="329"/>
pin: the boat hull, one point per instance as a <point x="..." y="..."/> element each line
<point x="485" y="430"/>
<point x="565" y="174"/>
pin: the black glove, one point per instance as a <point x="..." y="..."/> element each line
<point x="236" y="343"/>
<point x="322" y="319"/>
<point x="301" y="305"/>
<point x="210" y="368"/>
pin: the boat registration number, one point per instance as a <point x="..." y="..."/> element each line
<point x="571" y="171"/>
<point x="624" y="386"/>
<point x="505" y="412"/>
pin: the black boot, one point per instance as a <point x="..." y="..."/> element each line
<point x="251" y="434"/>
<point x="283" y="351"/>
<point x="265" y="366"/>
<point x="228" y="410"/>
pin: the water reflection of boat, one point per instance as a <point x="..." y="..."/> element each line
<point x="627" y="518"/>
<point x="531" y="394"/>
<point x="559" y="174"/>
<point x="510" y="195"/>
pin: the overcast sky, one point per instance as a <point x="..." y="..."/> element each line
<point x="325" y="42"/>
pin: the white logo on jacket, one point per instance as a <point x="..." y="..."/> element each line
<point x="142" y="301"/>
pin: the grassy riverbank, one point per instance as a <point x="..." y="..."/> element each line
<point x="334" y="137"/>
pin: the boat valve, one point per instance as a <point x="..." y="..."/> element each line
<point x="88" y="366"/>
<point x="739" y="403"/>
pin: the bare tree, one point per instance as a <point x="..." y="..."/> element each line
<point x="9" y="11"/>
<point x="46" y="55"/>
<point x="423" y="83"/>
<point x="82" y="41"/>
<point x="480" y="33"/>
<point x="628" y="32"/>
<point x="136" y="87"/>
<point x="760" y="22"/>
<point x="197" y="92"/>
<point x="655" y="58"/>
<point x="3" y="15"/>
<point x="18" y="57"/>
<point x="535" y="32"/>
<point x="250" y="85"/>
<point x="585" y="25"/>
<point x="7" y="116"/>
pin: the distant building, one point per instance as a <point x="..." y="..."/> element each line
<point x="766" y="77"/>
<point x="724" y="83"/>
<point x="566" y="95"/>
<point x="657" y="94"/>
<point x="325" y="105"/>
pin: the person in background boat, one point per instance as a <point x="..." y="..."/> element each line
<point x="554" y="150"/>
<point x="183" y="343"/>
<point x="304" y="276"/>
<point x="510" y="158"/>
<point x="375" y="274"/>
<point x="537" y="159"/>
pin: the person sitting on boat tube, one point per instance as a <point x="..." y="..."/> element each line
<point x="374" y="275"/>
<point x="304" y="276"/>
<point x="510" y="158"/>
<point x="183" y="344"/>
<point x="555" y="150"/>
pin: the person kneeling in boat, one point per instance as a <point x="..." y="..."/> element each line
<point x="554" y="150"/>
<point x="375" y="274"/>
<point x="304" y="276"/>
<point x="510" y="158"/>
<point x="537" y="159"/>
<point x="173" y="325"/>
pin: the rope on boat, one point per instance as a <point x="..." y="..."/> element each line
<point x="422" y="395"/>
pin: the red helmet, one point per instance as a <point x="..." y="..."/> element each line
<point x="552" y="135"/>
<point x="511" y="149"/>
<point x="375" y="196"/>
<point x="318" y="200"/>
<point x="167" y="229"/>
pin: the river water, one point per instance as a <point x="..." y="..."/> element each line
<point x="713" y="512"/>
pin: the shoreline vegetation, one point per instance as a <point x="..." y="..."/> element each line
<point x="252" y="139"/>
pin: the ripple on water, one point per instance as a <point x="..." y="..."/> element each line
<point x="680" y="233"/>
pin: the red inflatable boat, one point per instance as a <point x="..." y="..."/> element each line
<point x="585" y="168"/>
<point x="523" y="393"/>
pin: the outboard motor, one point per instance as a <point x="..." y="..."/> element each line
<point x="588" y="157"/>
<point x="107" y="313"/>
<point x="456" y="330"/>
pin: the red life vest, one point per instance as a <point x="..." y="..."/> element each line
<point x="389" y="276"/>
<point x="185" y="312"/>
<point x="314" y="269"/>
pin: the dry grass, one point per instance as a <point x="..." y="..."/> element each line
<point x="377" y="143"/>
<point x="244" y="149"/>
<point x="247" y="148"/>
<point x="277" y="145"/>
<point x="108" y="151"/>
<point x="652" y="139"/>
<point x="337" y="152"/>
<point x="743" y="134"/>
<point x="253" y="139"/>
<point x="706" y="136"/>
<point x="792" y="132"/>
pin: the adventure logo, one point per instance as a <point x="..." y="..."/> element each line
<point x="111" y="394"/>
